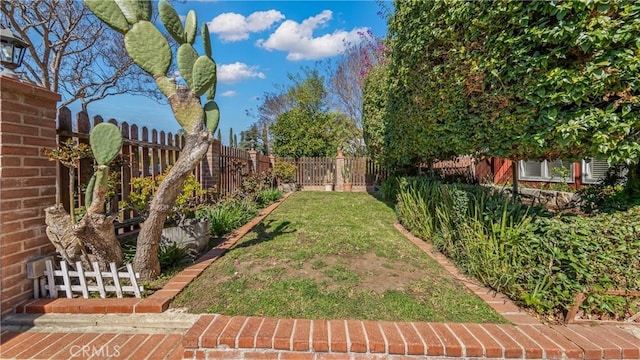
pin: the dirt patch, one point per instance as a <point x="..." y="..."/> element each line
<point x="364" y="272"/>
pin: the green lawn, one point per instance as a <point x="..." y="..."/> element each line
<point x="329" y="255"/>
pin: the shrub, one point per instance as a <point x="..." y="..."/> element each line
<point x="538" y="260"/>
<point x="268" y="196"/>
<point x="285" y="172"/>
<point x="604" y="198"/>
<point x="143" y="190"/>
<point x="389" y="188"/>
<point x="227" y="215"/>
<point x="253" y="184"/>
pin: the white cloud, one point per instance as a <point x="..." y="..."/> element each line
<point x="297" y="38"/>
<point x="232" y="73"/>
<point x="235" y="27"/>
<point x="229" y="93"/>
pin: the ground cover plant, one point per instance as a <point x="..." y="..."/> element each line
<point x="538" y="259"/>
<point x="331" y="255"/>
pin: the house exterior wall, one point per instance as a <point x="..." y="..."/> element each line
<point x="502" y="173"/>
<point x="27" y="183"/>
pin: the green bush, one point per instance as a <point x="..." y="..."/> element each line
<point x="538" y="260"/>
<point x="389" y="189"/>
<point x="285" y="172"/>
<point x="268" y="196"/>
<point x="170" y="255"/>
<point x="604" y="198"/>
<point x="228" y="215"/>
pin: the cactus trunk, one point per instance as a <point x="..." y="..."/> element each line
<point x="146" y="260"/>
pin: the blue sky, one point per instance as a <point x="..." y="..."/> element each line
<point x="255" y="45"/>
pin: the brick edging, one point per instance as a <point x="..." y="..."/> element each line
<point x="243" y="337"/>
<point x="499" y="302"/>
<point x="158" y="301"/>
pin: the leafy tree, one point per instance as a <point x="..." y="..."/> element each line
<point x="72" y="53"/>
<point x="521" y="80"/>
<point x="309" y="128"/>
<point x="250" y="139"/>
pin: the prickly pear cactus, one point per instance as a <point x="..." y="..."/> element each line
<point x="150" y="50"/>
<point x="106" y="142"/>
<point x="171" y="21"/>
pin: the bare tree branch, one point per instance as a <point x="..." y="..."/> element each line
<point x="70" y="51"/>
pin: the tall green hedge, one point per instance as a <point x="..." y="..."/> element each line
<point x="513" y="79"/>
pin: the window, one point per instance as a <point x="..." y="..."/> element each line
<point x="551" y="171"/>
<point x="594" y="170"/>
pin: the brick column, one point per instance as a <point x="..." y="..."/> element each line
<point x="27" y="183"/>
<point x="339" y="167"/>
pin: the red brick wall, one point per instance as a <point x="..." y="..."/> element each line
<point x="27" y="183"/>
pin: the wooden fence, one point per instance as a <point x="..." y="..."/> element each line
<point x="149" y="152"/>
<point x="318" y="171"/>
<point x="82" y="281"/>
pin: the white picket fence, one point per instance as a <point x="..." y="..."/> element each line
<point x="95" y="281"/>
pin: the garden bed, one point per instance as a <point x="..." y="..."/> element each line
<point x="562" y="266"/>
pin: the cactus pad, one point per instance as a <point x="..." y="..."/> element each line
<point x="206" y="40"/>
<point x="187" y="57"/>
<point x="148" y="48"/>
<point x="88" y="195"/>
<point x="171" y="21"/>
<point x="110" y="13"/>
<point x="212" y="115"/>
<point x="129" y="9"/>
<point x="211" y="92"/>
<point x="204" y="75"/>
<point x="144" y="10"/>
<point x="189" y="116"/>
<point x="106" y="142"/>
<point x="190" y="27"/>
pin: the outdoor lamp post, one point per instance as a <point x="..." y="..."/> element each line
<point x="12" y="50"/>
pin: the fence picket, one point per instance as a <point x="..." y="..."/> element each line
<point x="134" y="282"/>
<point x="99" y="282"/>
<point x="116" y="280"/>
<point x="65" y="279"/>
<point x="53" y="293"/>
<point x="83" y="280"/>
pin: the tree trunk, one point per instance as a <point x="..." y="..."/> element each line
<point x="60" y="232"/>
<point x="146" y="259"/>
<point x="96" y="233"/>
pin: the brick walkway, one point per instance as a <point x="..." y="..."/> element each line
<point x="64" y="346"/>
<point x="241" y="337"/>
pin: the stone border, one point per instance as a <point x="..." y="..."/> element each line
<point x="158" y="301"/>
